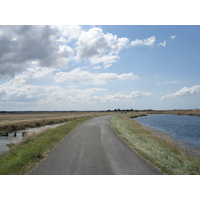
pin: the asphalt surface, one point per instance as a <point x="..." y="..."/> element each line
<point x="93" y="148"/>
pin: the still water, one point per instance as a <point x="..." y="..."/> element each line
<point x="11" y="138"/>
<point x="181" y="127"/>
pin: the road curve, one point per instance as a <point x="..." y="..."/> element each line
<point x="93" y="148"/>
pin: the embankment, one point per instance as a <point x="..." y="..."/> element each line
<point x="159" y="152"/>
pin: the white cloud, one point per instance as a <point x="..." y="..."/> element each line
<point x="162" y="44"/>
<point x="22" y="93"/>
<point x="70" y="32"/>
<point x="29" y="75"/>
<point x="145" y="42"/>
<point x="99" y="47"/>
<point x="121" y="97"/>
<point x="183" y="92"/>
<point x="97" y="67"/>
<point x="85" y="77"/>
<point x="168" y="82"/>
<point x="61" y="40"/>
<point x="19" y="91"/>
<point x="172" y="37"/>
<point x="65" y="50"/>
<point x="107" y="60"/>
<point x="65" y="54"/>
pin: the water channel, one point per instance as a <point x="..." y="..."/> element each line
<point x="181" y="127"/>
<point x="17" y="136"/>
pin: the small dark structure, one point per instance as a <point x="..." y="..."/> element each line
<point x="3" y="134"/>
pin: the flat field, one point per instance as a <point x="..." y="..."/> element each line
<point x="23" y="120"/>
<point x="176" y="112"/>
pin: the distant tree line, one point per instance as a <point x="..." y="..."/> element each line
<point x="129" y="110"/>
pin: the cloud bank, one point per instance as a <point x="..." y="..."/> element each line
<point x="183" y="92"/>
<point x="20" y="91"/>
<point x="85" y="77"/>
<point x="122" y="97"/>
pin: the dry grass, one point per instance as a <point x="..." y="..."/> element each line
<point x="8" y="118"/>
<point x="176" y="112"/>
<point x="166" y="156"/>
<point x="183" y="112"/>
<point x="34" y="133"/>
<point x="20" y="121"/>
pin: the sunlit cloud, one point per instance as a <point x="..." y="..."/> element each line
<point x="145" y="42"/>
<point x="172" y="37"/>
<point x="98" y="47"/>
<point x="168" y="82"/>
<point x="162" y="44"/>
<point x="86" y="77"/>
<point x="122" y="97"/>
<point x="183" y="92"/>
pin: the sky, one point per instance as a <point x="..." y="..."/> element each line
<point x="99" y="67"/>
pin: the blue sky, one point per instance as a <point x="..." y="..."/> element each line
<point x="99" y="67"/>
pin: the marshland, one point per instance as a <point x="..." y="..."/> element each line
<point x="12" y="121"/>
<point x="162" y="153"/>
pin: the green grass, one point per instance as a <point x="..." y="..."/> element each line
<point x="24" y="157"/>
<point x="165" y="156"/>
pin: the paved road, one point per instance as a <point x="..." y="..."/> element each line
<point x="93" y="148"/>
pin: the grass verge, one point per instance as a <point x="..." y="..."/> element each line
<point x="22" y="158"/>
<point x="165" y="156"/>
